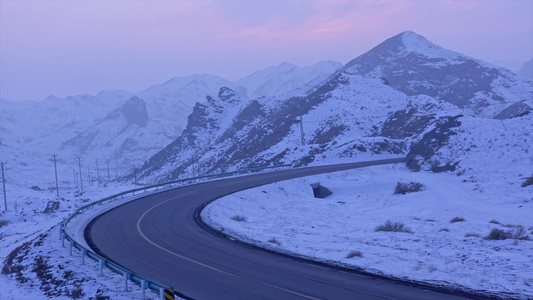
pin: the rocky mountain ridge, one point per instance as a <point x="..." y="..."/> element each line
<point x="413" y="65"/>
<point x="125" y="127"/>
<point x="377" y="106"/>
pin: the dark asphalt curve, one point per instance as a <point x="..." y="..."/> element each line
<point x="158" y="237"/>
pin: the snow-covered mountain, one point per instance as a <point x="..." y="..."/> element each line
<point x="282" y="79"/>
<point x="527" y="69"/>
<point x="407" y="96"/>
<point x="413" y="65"/>
<point x="105" y="126"/>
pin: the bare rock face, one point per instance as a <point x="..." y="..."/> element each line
<point x="135" y="111"/>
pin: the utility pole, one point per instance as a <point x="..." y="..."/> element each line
<point x="135" y="174"/>
<point x="81" y="178"/>
<point x="108" y="174"/>
<point x="97" y="173"/>
<point x="75" y="178"/>
<point x="55" y="169"/>
<point x="90" y="176"/>
<point x="4" y="186"/>
<point x="195" y="166"/>
<point x="302" y="130"/>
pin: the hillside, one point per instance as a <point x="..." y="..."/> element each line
<point x="527" y="69"/>
<point x="119" y="128"/>
<point x="406" y="96"/>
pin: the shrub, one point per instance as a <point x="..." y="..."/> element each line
<point x="518" y="233"/>
<point x="494" y="222"/>
<point x="457" y="219"/>
<point x="432" y="268"/>
<point x="76" y="293"/>
<point x="445" y="230"/>
<point x="274" y="241"/>
<point x="393" y="227"/>
<point x="3" y="223"/>
<point x="404" y="188"/>
<point x="99" y="296"/>
<point x="239" y="218"/>
<point x="354" y="254"/>
<point x="497" y="234"/>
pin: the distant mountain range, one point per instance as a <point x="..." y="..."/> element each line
<point x="407" y="96"/>
<point x="128" y="128"/>
<point x="527" y="69"/>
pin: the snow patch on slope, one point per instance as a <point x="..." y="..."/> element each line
<point x="285" y="217"/>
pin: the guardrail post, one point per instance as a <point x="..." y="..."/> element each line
<point x="143" y="288"/>
<point x="83" y="254"/>
<point x="125" y="281"/>
<point x="61" y="229"/>
<point x="102" y="264"/>
<point x="63" y="240"/>
<point x="71" y="245"/>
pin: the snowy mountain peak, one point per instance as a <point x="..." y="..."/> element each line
<point x="411" y="64"/>
<point x="283" y="79"/>
<point x="410" y="37"/>
<point x="416" y="43"/>
<point x="409" y="42"/>
<point x="286" y="66"/>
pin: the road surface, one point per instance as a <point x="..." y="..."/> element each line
<point x="161" y="237"/>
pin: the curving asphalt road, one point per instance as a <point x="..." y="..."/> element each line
<point x="160" y="237"/>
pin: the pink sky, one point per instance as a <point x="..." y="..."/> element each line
<point x="66" y="48"/>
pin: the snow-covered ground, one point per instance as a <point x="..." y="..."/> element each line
<point x="340" y="229"/>
<point x="285" y="217"/>
<point x="36" y="266"/>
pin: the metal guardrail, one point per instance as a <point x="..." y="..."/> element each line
<point x="128" y="274"/>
